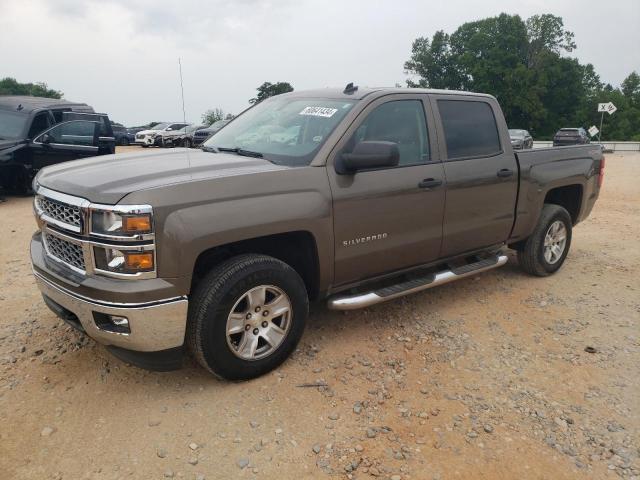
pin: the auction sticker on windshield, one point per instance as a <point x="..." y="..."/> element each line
<point x="319" y="111"/>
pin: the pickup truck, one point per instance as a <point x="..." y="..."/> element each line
<point x="353" y="197"/>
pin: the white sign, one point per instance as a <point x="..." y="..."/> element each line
<point x="319" y="111"/>
<point x="610" y="108"/>
<point x="593" y="131"/>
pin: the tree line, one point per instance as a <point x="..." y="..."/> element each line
<point x="523" y="63"/>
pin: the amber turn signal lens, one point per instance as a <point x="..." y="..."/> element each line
<point x="136" y="224"/>
<point x="139" y="261"/>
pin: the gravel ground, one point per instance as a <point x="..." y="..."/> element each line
<point x="498" y="376"/>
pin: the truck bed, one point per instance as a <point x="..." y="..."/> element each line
<point x="552" y="171"/>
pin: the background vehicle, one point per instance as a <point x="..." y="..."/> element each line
<point x="36" y="132"/>
<point x="520" y="139"/>
<point x="571" y="136"/>
<point x="177" y="138"/>
<point x="121" y="134"/>
<point x="354" y="197"/>
<point x="202" y="134"/>
<point x="147" y="138"/>
<point x="186" y="139"/>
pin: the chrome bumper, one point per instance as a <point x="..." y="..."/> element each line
<point x="155" y="326"/>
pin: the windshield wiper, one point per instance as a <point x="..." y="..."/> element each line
<point x="241" y="151"/>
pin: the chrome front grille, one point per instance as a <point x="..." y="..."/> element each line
<point x="60" y="212"/>
<point x="65" y="251"/>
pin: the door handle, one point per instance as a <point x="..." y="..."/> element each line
<point x="430" y="183"/>
<point x="505" y="172"/>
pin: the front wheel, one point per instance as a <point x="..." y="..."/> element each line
<point x="246" y="316"/>
<point x="186" y="143"/>
<point x="544" y="252"/>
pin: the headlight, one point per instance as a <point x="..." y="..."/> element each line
<point x="118" y="223"/>
<point x="123" y="261"/>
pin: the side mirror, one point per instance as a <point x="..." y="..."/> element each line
<point x="367" y="155"/>
<point x="169" y="129"/>
<point x="46" y="139"/>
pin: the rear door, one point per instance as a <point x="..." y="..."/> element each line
<point x="389" y="218"/>
<point x="480" y="170"/>
<point x="106" y="139"/>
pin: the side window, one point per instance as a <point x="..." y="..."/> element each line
<point x="40" y="124"/>
<point x="402" y="122"/>
<point x="77" y="132"/>
<point x="470" y="128"/>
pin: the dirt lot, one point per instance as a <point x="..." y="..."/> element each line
<point x="485" y="378"/>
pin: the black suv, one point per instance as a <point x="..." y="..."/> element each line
<point x="571" y="136"/>
<point x="36" y="132"/>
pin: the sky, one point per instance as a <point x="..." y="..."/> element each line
<point x="121" y="57"/>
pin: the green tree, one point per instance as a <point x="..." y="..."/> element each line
<point x="211" y="116"/>
<point x="10" y="86"/>
<point x="432" y="62"/>
<point x="268" y="89"/>
<point x="631" y="88"/>
<point x="546" y="33"/>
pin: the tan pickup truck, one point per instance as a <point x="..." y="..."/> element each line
<point x="353" y="196"/>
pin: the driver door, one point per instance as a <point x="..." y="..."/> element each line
<point x="65" y="141"/>
<point x="388" y="219"/>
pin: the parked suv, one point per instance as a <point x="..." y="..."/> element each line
<point x="121" y="134"/>
<point x="352" y="197"/>
<point x="153" y="136"/>
<point x="186" y="139"/>
<point x="571" y="136"/>
<point x="36" y="132"/>
<point x="205" y="132"/>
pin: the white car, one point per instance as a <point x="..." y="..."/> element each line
<point x="151" y="137"/>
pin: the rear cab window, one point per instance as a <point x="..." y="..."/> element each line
<point x="470" y="129"/>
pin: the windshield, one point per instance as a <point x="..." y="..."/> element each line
<point x="160" y="126"/>
<point x="12" y="124"/>
<point x="516" y="133"/>
<point x="284" y="130"/>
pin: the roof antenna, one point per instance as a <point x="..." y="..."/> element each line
<point x="350" y="88"/>
<point x="184" y="114"/>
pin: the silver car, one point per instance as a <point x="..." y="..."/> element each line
<point x="520" y="139"/>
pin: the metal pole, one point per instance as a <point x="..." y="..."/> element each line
<point x="600" y="132"/>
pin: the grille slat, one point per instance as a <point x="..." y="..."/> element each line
<point x="62" y="212"/>
<point x="65" y="251"/>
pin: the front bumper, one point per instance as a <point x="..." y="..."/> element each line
<point x="146" y="140"/>
<point x="155" y="309"/>
<point x="154" y="326"/>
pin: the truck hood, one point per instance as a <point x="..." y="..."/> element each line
<point x="107" y="179"/>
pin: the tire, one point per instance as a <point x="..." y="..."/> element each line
<point x="186" y="143"/>
<point x="144" y="145"/>
<point x="222" y="303"/>
<point x="537" y="259"/>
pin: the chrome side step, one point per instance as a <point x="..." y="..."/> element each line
<point x="361" y="300"/>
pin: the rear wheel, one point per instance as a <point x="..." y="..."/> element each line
<point x="544" y="252"/>
<point x="246" y="316"/>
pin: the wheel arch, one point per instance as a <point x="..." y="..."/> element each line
<point x="568" y="197"/>
<point x="298" y="249"/>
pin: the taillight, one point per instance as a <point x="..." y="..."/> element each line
<point x="601" y="173"/>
